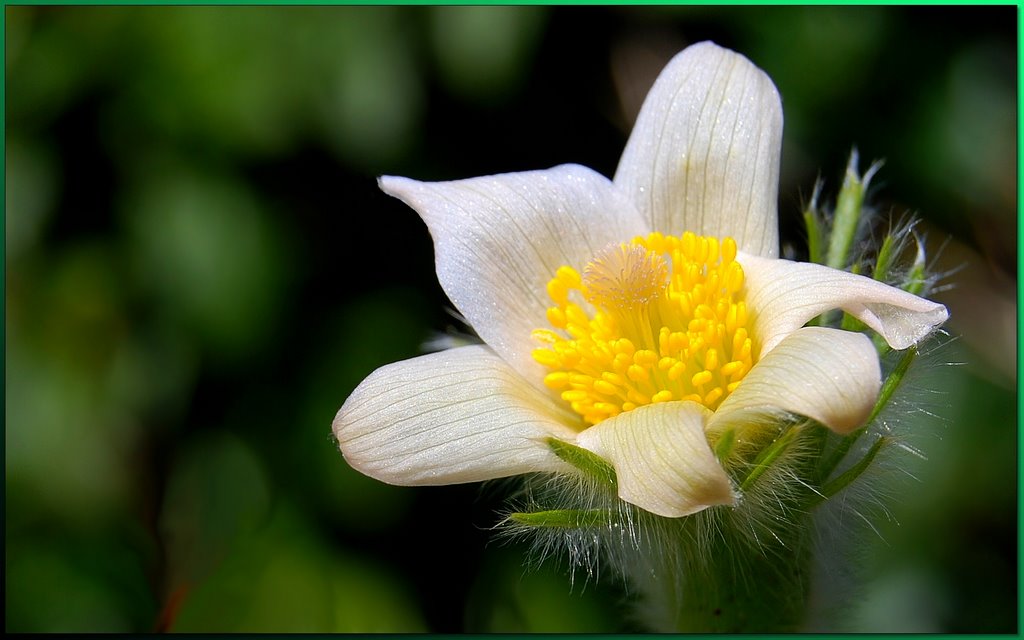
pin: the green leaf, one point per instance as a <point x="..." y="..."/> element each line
<point x="591" y="464"/>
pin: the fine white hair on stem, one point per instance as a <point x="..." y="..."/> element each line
<point x="912" y="422"/>
<point x="770" y="521"/>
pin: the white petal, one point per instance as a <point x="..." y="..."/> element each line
<point x="460" y="415"/>
<point x="704" y="153"/>
<point x="499" y="240"/>
<point x="826" y="374"/>
<point x="784" y="295"/>
<point x="662" y="458"/>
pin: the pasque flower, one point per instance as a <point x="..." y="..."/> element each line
<point x="639" y="318"/>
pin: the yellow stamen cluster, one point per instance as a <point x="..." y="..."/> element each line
<point x="666" y="321"/>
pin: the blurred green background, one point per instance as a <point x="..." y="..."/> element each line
<point x="200" y="268"/>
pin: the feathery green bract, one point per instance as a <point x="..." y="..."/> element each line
<point x="591" y="464"/>
<point x="564" y="518"/>
<point x="892" y="381"/>
<point x="850" y="323"/>
<point x="768" y="456"/>
<point x="836" y="485"/>
<point x="847" y="214"/>
<point x="813" y="222"/>
<point x="724" y="445"/>
<point x="917" y="277"/>
<point x="885" y="258"/>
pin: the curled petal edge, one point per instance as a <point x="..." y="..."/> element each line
<point x="662" y="458"/>
<point x="788" y="294"/>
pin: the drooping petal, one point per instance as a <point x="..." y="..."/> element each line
<point x="662" y="458"/>
<point x="461" y="415"/>
<point x="704" y="153"/>
<point x="784" y="295"/>
<point x="499" y="239"/>
<point x="829" y="375"/>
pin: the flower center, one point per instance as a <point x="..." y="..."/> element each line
<point x="666" y="321"/>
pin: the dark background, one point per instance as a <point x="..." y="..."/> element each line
<point x="199" y="268"/>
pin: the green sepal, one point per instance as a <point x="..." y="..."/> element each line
<point x="591" y="464"/>
<point x="564" y="518"/>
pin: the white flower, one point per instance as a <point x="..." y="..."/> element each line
<point x="634" y="318"/>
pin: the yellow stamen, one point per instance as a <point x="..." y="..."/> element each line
<point x="666" y="320"/>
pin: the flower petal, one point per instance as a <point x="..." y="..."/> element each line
<point x="826" y="374"/>
<point x="499" y="240"/>
<point x="704" y="153"/>
<point x="460" y="415"/>
<point x="785" y="295"/>
<point x="662" y="458"/>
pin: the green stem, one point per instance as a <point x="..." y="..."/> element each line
<point x="743" y="584"/>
